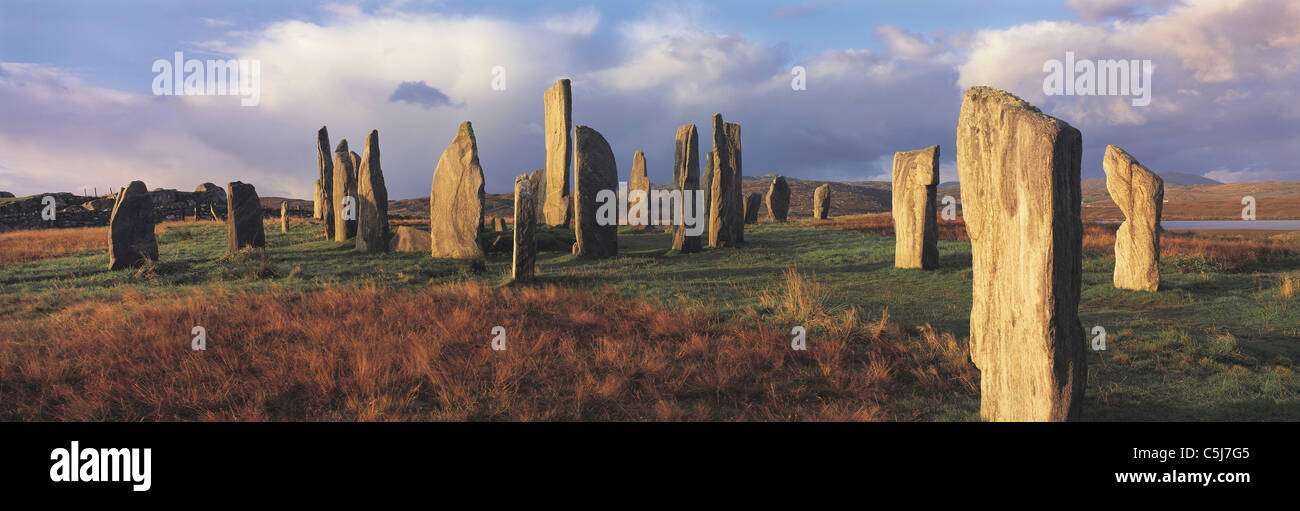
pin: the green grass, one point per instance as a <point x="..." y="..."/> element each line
<point x="1208" y="346"/>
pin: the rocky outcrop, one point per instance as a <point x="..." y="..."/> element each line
<point x="1140" y="195"/>
<point x="1020" y="196"/>
<point x="558" y="103"/>
<point x="244" y="218"/>
<point x="594" y="170"/>
<point x="456" y="200"/>
<point x="916" y="220"/>
<point x="131" y="239"/>
<point x="372" y="200"/>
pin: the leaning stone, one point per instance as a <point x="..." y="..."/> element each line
<point x="345" y="185"/>
<point x="916" y="220"/>
<point x="372" y="199"/>
<point x="752" y="202"/>
<point x="410" y="239"/>
<point x="1020" y="196"/>
<point x="638" y="181"/>
<point x="131" y="239"/>
<point x="1140" y="195"/>
<point x="558" y="104"/>
<point x="525" y="237"/>
<point x="243" y="218"/>
<point x="778" y="199"/>
<point x="822" y="202"/>
<point x="456" y="200"/>
<point x="594" y="170"/>
<point x="686" y="175"/>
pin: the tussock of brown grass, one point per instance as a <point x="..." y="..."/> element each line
<point x="38" y="244"/>
<point x="883" y="224"/>
<point x="1286" y="289"/>
<point x="370" y="354"/>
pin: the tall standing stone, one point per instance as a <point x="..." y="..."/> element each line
<point x="525" y="231"/>
<point x="284" y="216"/>
<point x="1020" y="192"/>
<point x="916" y="219"/>
<point x="706" y="184"/>
<point x="778" y="199"/>
<point x="326" y="163"/>
<point x="594" y="170"/>
<point x="738" y="187"/>
<point x="1140" y="194"/>
<point x="318" y="200"/>
<point x="753" y="201"/>
<point x="639" y="181"/>
<point x="538" y="180"/>
<point x="822" y="202"/>
<point x="686" y="175"/>
<point x="345" y="186"/>
<point x="243" y="218"/>
<point x="372" y="199"/>
<point x="558" y="102"/>
<point x="456" y="199"/>
<point x="725" y="207"/>
<point x="130" y="233"/>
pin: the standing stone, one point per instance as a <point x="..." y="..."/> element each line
<point x="525" y="230"/>
<point x="356" y="161"/>
<point x="594" y="170"/>
<point x="1140" y="194"/>
<point x="686" y="175"/>
<point x="558" y="102"/>
<point x="243" y="218"/>
<point x="639" y="181"/>
<point x="538" y="180"/>
<point x="456" y="200"/>
<point x="822" y="202"/>
<point x="498" y="224"/>
<point x="752" y="202"/>
<point x="706" y="184"/>
<point x="130" y="232"/>
<point x="778" y="199"/>
<point x="725" y="208"/>
<point x="410" y="239"/>
<point x="326" y="163"/>
<point x="738" y="188"/>
<point x="372" y="200"/>
<point x="284" y="216"/>
<point x="916" y="219"/>
<point x="318" y="200"/>
<point x="345" y="185"/>
<point x="1019" y="172"/>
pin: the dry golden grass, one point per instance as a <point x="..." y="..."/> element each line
<point x="37" y="244"/>
<point x="370" y="354"/>
<point x="1286" y="290"/>
<point x="883" y="224"/>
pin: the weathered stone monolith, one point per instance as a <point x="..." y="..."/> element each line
<point x="525" y="231"/>
<point x="753" y="201"/>
<point x="130" y="233"/>
<point x="538" y="179"/>
<point x="706" y="184"/>
<point x="558" y="103"/>
<point x="1019" y="172"/>
<point x="822" y="202"/>
<point x="498" y="224"/>
<point x="778" y="199"/>
<point x="344" y="193"/>
<point x="318" y="200"/>
<point x="410" y="239"/>
<point x="1140" y="195"/>
<point x="638" y="205"/>
<point x="594" y="171"/>
<point x="738" y="186"/>
<point x="725" y="207"/>
<point x="243" y="218"/>
<point x="456" y="200"/>
<point x="325" y="161"/>
<point x="284" y="216"/>
<point x="372" y="199"/>
<point x="356" y="161"/>
<point x="686" y="175"/>
<point x="916" y="220"/>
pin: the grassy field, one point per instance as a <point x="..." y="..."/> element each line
<point x="312" y="330"/>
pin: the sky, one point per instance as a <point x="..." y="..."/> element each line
<point x="78" y="109"/>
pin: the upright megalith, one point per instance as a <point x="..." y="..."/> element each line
<point x="638" y="194"/>
<point x="372" y="200"/>
<point x="498" y="224"/>
<point x="706" y="184"/>
<point x="558" y="103"/>
<point x="726" y="211"/>
<point x="243" y="218"/>
<point x="686" y="175"/>
<point x="538" y="179"/>
<point x="1019" y="171"/>
<point x="456" y="200"/>
<point x="130" y="233"/>
<point x="325" y="162"/>
<point x="753" y="201"/>
<point x="356" y="161"/>
<point x="916" y="220"/>
<point x="284" y="216"/>
<point x="344" y="193"/>
<point x="595" y="229"/>
<point x="1140" y="195"/>
<point x="525" y="231"/>
<point x="778" y="199"/>
<point x="822" y="202"/>
<point x="318" y="200"/>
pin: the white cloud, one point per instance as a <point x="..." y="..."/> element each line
<point x="904" y="43"/>
<point x="581" y="22"/>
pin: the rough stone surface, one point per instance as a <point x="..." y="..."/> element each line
<point x="345" y="185"/>
<point x="243" y="218"/>
<point x="456" y="199"/>
<point x="822" y="202"/>
<point x="319" y="199"/>
<point x="638" y="181"/>
<point x="209" y="200"/>
<point x="916" y="220"/>
<point x="356" y="161"/>
<point x="410" y="239"/>
<point x="284" y="216"/>
<point x="498" y="224"/>
<point x="706" y="184"/>
<point x="738" y="185"/>
<point x="558" y="102"/>
<point x="1140" y="194"/>
<point x="686" y="175"/>
<point x="372" y="200"/>
<point x="325" y="162"/>
<point x="726" y="211"/>
<point x="1019" y="171"/>
<point x="753" y="201"/>
<point x="778" y="199"/>
<point x="525" y="232"/>
<point x="131" y="239"/>
<point x="538" y="179"/>
<point x="594" y="170"/>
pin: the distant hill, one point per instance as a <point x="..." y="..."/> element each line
<point x="1182" y="179"/>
